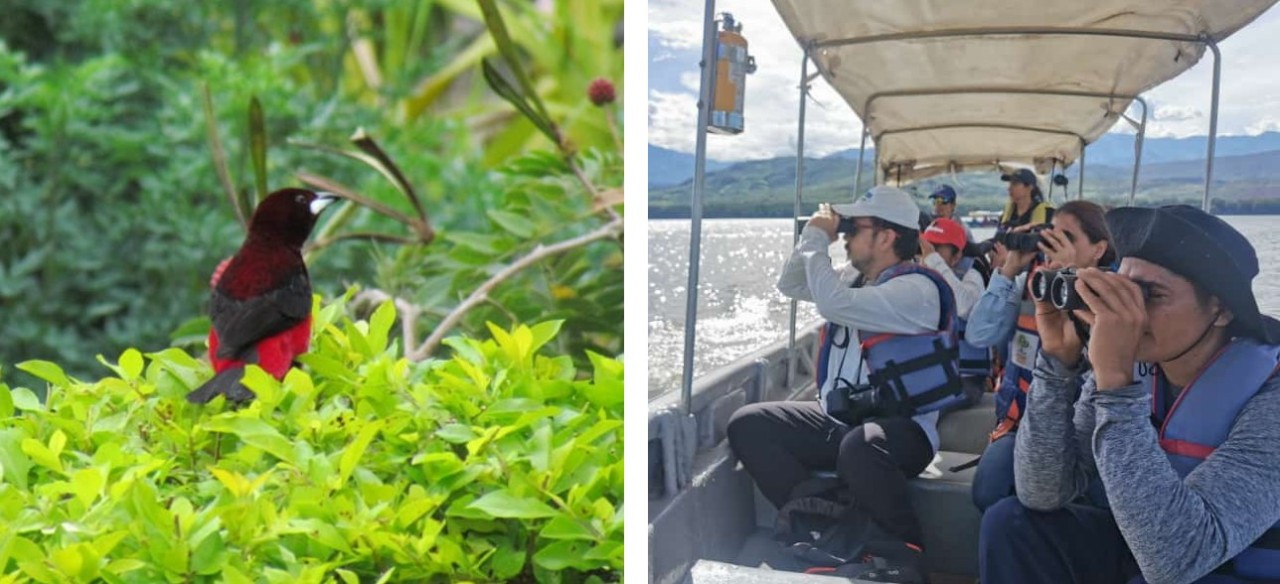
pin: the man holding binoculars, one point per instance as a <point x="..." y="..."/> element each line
<point x="887" y="318"/>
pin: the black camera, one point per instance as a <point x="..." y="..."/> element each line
<point x="854" y="404"/>
<point x="1022" y="241"/>
<point x="1059" y="288"/>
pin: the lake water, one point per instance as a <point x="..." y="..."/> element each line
<point x="740" y="310"/>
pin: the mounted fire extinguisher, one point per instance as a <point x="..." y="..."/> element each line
<point x="733" y="64"/>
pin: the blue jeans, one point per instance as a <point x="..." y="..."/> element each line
<point x="1078" y="543"/>
<point x="993" y="480"/>
<point x="1075" y="544"/>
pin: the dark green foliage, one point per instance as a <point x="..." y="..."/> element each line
<point x="112" y="217"/>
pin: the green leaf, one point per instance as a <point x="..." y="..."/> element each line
<point x="47" y="371"/>
<point x="131" y="364"/>
<point x="353" y="452"/>
<point x="507" y="561"/>
<point x="41" y="455"/>
<point x="456" y="433"/>
<point x="560" y="555"/>
<point x="14" y="463"/>
<point x="505" y="504"/>
<point x="87" y="484"/>
<point x="6" y="401"/>
<point x="24" y="399"/>
<point x="255" y="432"/>
<point x="543" y="333"/>
<point x="380" y="326"/>
<point x="516" y="224"/>
<point x="564" y="527"/>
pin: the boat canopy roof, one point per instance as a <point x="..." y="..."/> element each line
<point x="947" y="86"/>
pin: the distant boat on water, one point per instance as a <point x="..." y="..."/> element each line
<point x="982" y="219"/>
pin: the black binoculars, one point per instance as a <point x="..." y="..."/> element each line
<point x="846" y="225"/>
<point x="1059" y="288"/>
<point x="1023" y="241"/>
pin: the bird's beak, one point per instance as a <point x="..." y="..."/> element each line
<point x="321" y="201"/>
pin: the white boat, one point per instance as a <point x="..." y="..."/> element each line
<point x="941" y="87"/>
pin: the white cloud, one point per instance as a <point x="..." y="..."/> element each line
<point x="1177" y="113"/>
<point x="691" y="80"/>
<point x="1249" y="99"/>
<point x="1267" y="124"/>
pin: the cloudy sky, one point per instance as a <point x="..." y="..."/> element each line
<point x="1250" y="101"/>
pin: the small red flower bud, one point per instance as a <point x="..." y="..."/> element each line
<point x="601" y="92"/>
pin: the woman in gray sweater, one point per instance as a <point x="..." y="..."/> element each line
<point x="1189" y="459"/>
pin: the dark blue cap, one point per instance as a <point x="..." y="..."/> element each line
<point x="944" y="192"/>
<point x="1201" y="248"/>
<point x="1022" y="175"/>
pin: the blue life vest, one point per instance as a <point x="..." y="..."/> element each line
<point x="1011" y="395"/>
<point x="922" y="372"/>
<point x="974" y="361"/>
<point x="1202" y="417"/>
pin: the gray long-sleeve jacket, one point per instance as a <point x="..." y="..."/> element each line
<point x="1178" y="529"/>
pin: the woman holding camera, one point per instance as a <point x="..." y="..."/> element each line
<point x="1006" y="316"/>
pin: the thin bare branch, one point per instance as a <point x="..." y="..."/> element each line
<point x="591" y="188"/>
<point x="610" y="229"/>
<point x="323" y="243"/>
<point x="408" y="312"/>
<point x="341" y="190"/>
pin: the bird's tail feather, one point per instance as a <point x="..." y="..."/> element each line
<point x="227" y="384"/>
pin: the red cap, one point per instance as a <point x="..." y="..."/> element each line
<point x="945" y="231"/>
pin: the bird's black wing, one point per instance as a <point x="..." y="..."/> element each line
<point x="241" y="323"/>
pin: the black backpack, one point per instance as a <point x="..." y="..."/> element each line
<point x="823" y="528"/>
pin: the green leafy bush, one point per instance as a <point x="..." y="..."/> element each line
<point x="499" y="464"/>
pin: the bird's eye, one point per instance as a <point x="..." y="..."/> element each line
<point x="300" y="199"/>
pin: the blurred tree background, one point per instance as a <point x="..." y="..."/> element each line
<point x="113" y="213"/>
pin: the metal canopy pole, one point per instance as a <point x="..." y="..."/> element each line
<point x="791" y="337"/>
<point x="1080" y="179"/>
<point x="862" y="149"/>
<point x="1137" y="151"/>
<point x="705" y="96"/>
<point x="1053" y="169"/>
<point x="1013" y="31"/>
<point x="1213" y="119"/>
<point x="875" y="177"/>
<point x="991" y="91"/>
<point x="1010" y="127"/>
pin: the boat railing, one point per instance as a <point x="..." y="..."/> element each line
<point x="676" y="438"/>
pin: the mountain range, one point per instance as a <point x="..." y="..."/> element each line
<point x="1246" y="179"/>
<point x="669" y="167"/>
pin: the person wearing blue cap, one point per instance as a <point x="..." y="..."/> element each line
<point x="1188" y="460"/>
<point x="944" y="207"/>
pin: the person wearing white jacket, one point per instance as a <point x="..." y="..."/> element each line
<point x="880" y="292"/>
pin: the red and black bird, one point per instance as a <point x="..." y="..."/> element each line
<point x="261" y="301"/>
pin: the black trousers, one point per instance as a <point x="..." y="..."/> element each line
<point x="779" y="443"/>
